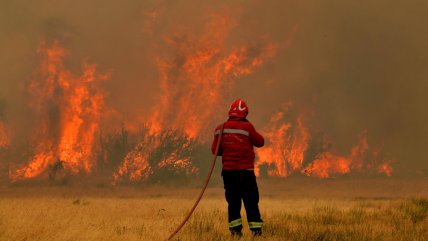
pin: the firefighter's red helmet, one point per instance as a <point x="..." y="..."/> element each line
<point x="238" y="109"/>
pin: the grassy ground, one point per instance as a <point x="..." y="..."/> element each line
<point x="293" y="209"/>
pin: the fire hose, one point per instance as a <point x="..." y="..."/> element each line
<point x="207" y="180"/>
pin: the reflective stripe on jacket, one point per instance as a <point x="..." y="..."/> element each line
<point x="236" y="149"/>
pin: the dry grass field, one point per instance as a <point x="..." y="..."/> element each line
<point x="293" y="209"/>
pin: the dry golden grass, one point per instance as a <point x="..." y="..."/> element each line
<point x="293" y="209"/>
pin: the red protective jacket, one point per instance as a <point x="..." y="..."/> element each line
<point x="236" y="148"/>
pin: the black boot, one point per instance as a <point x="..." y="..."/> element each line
<point x="236" y="231"/>
<point x="256" y="231"/>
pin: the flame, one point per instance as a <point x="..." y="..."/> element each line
<point x="196" y="79"/>
<point x="154" y="152"/>
<point x="135" y="165"/>
<point x="70" y="107"/>
<point x="328" y="163"/>
<point x="386" y="169"/>
<point x="194" y="82"/>
<point x="286" y="146"/>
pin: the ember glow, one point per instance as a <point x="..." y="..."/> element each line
<point x="70" y="107"/>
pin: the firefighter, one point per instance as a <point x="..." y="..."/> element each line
<point x="236" y="149"/>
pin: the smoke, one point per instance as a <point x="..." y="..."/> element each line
<point x="2" y="109"/>
<point x="352" y="65"/>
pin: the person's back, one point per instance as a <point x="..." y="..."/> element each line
<point x="236" y="149"/>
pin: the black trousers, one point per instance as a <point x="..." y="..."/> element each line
<point x="241" y="185"/>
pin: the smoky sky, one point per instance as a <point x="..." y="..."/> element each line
<point x="355" y="64"/>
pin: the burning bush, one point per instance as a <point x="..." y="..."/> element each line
<point x="158" y="156"/>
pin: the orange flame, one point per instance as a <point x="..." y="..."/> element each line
<point x="194" y="83"/>
<point x="71" y="109"/>
<point x="286" y="146"/>
<point x="156" y="151"/>
<point x="135" y="165"/>
<point x="328" y="163"/>
<point x="386" y="169"/>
